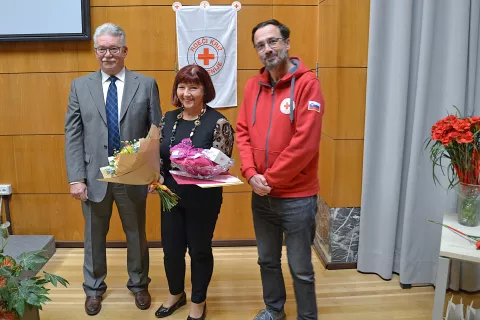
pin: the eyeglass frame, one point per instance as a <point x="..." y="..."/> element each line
<point x="273" y="46"/>
<point x="108" y="50"/>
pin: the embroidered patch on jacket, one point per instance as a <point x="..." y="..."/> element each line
<point x="314" y="105"/>
<point x="285" y="106"/>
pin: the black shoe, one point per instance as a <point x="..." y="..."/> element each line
<point x="163" y="312"/>
<point x="204" y="314"/>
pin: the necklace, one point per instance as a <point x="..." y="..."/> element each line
<point x="196" y="123"/>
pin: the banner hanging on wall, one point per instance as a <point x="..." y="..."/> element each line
<point x="207" y="36"/>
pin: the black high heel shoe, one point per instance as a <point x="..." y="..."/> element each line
<point x="163" y="312"/>
<point x="204" y="314"/>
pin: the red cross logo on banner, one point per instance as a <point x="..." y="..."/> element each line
<point x="208" y="53"/>
<point x="206" y="56"/>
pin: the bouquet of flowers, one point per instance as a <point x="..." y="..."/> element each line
<point x="197" y="162"/>
<point x="129" y="147"/>
<point x="167" y="197"/>
<point x="457" y="139"/>
<point x="138" y="163"/>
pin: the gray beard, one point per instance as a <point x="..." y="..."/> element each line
<point x="282" y="57"/>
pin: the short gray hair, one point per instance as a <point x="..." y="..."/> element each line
<point x="110" y="29"/>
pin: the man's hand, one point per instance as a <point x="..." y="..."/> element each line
<point x="79" y="191"/>
<point x="259" y="185"/>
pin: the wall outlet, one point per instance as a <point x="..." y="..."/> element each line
<point x="5" y="189"/>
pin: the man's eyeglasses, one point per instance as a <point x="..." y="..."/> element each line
<point x="112" y="50"/>
<point x="272" y="43"/>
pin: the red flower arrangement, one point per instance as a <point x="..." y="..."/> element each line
<point x="456" y="139"/>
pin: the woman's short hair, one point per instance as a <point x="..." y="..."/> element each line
<point x="193" y="74"/>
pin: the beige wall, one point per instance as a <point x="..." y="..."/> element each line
<point x="342" y="56"/>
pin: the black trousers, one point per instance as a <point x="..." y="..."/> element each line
<point x="190" y="224"/>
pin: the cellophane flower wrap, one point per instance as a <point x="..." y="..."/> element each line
<point x="196" y="162"/>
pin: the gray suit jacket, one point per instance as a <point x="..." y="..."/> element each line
<point x="86" y="134"/>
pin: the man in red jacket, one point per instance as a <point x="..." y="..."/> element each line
<point x="278" y="136"/>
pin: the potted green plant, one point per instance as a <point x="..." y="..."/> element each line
<point x="20" y="293"/>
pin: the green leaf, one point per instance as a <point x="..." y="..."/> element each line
<point x="54" y="278"/>
<point x="20" y="307"/>
<point x="44" y="299"/>
<point x="38" y="290"/>
<point x="30" y="260"/>
<point x="6" y="271"/>
<point x="33" y="300"/>
<point x="28" y="282"/>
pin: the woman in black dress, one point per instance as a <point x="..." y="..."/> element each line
<point x="191" y="223"/>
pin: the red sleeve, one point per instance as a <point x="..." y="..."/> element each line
<point x="247" y="168"/>
<point x="306" y="140"/>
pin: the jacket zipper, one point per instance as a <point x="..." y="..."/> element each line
<point x="269" y="126"/>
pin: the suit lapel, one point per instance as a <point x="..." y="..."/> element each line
<point x="129" y="90"/>
<point x="96" y="90"/>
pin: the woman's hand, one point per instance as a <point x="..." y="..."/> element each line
<point x="152" y="187"/>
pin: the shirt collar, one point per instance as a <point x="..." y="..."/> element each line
<point x="120" y="75"/>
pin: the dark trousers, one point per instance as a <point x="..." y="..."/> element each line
<point x="294" y="219"/>
<point x="190" y="224"/>
<point x="97" y="222"/>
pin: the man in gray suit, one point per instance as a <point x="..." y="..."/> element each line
<point x="105" y="107"/>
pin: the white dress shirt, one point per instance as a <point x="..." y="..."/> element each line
<point x="120" y="85"/>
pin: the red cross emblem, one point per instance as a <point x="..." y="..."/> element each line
<point x="176" y="6"/>
<point x="286" y="107"/>
<point x="207" y="52"/>
<point x="206" y="56"/>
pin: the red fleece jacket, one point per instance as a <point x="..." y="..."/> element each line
<point x="277" y="141"/>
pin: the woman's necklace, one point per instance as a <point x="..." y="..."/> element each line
<point x="196" y="123"/>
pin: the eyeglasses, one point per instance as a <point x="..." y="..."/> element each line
<point x="112" y="50"/>
<point x="272" y="43"/>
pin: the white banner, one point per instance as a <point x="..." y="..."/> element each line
<point x="208" y="37"/>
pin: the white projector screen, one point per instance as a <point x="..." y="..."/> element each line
<point x="29" y="20"/>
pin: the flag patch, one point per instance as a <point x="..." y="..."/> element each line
<point x="314" y="105"/>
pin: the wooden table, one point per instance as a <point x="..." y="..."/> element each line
<point x="453" y="247"/>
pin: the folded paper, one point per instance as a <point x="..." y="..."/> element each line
<point x="141" y="166"/>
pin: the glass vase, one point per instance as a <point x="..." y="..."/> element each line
<point x="468" y="204"/>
